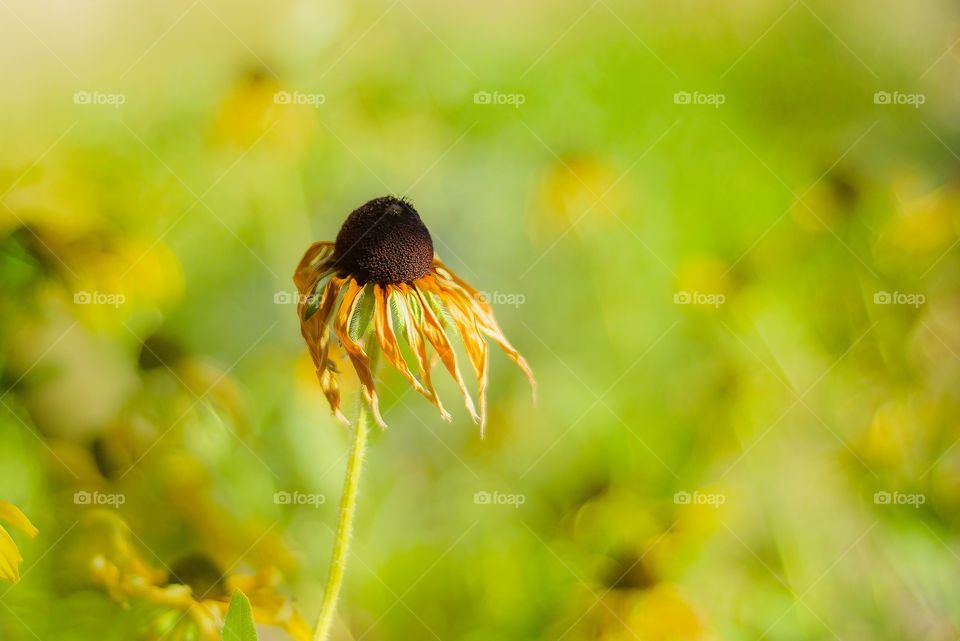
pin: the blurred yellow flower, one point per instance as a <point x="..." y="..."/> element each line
<point x="924" y="223"/>
<point x="9" y="553"/>
<point x="259" y="109"/>
<point x="580" y="185"/>
<point x="662" y="614"/>
<point x="703" y="281"/>
<point x="123" y="273"/>
<point x="193" y="597"/>
<point x="656" y="612"/>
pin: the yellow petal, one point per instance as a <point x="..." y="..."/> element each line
<point x="10" y="513"/>
<point x="9" y="557"/>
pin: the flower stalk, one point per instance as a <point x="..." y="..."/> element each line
<point x="344" y="533"/>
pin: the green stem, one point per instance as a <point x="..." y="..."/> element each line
<point x="341" y="544"/>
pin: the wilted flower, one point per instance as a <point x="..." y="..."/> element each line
<point x="382" y="268"/>
<point x="9" y="553"/>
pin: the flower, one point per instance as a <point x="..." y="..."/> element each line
<point x="382" y="268"/>
<point x="9" y="554"/>
<point x="193" y="596"/>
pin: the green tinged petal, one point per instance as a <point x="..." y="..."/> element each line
<point x="362" y="313"/>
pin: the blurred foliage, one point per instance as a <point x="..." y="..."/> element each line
<point x="743" y="317"/>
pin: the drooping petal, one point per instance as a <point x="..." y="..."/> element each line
<point x="409" y="302"/>
<point x="492" y="329"/>
<point x="473" y="342"/>
<point x="316" y="333"/>
<point x="486" y="321"/>
<point x="383" y="323"/>
<point x="312" y="264"/>
<point x="433" y="330"/>
<point x="361" y="363"/>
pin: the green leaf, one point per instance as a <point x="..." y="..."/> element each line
<point x="239" y="624"/>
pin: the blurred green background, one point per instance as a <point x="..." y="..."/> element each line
<point x="724" y="236"/>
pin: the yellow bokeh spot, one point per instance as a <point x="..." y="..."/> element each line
<point x="923" y="224"/>
<point x="703" y="281"/>
<point x="581" y="186"/>
<point x="260" y="111"/>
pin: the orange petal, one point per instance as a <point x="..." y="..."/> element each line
<point x="361" y="363"/>
<point x="312" y="264"/>
<point x="486" y="321"/>
<point x="435" y="334"/>
<point x="493" y="331"/>
<point x="473" y="342"/>
<point x="316" y="333"/>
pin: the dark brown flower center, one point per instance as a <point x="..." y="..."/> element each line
<point x="384" y="241"/>
<point x="201" y="574"/>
